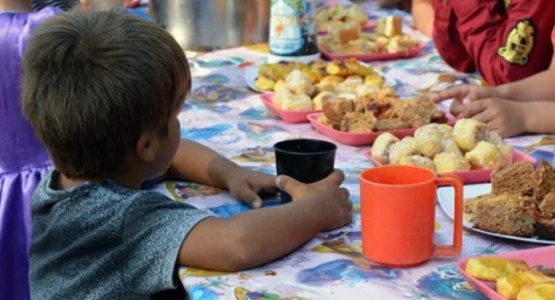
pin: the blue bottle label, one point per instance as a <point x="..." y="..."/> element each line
<point x="292" y="29"/>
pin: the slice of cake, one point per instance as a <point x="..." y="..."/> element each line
<point x="470" y="206"/>
<point x="506" y="214"/>
<point x="547" y="206"/>
<point x="544" y="179"/>
<point x="390" y="26"/>
<point x="514" y="179"/>
<point x="342" y="33"/>
<point x="545" y="229"/>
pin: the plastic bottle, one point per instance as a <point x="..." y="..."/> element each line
<point x="293" y="31"/>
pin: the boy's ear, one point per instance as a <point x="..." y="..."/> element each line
<point x="147" y="147"/>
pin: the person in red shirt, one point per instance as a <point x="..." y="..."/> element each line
<point x="522" y="106"/>
<point x="503" y="40"/>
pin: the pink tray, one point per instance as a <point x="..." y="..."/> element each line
<point x="285" y="115"/>
<point x="354" y="139"/>
<point x="473" y="176"/>
<point x="368" y="26"/>
<point x="544" y="256"/>
<point x="374" y="56"/>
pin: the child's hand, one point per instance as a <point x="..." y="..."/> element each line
<point x="505" y="117"/>
<point x="248" y="186"/>
<point x="464" y="94"/>
<point x="335" y="206"/>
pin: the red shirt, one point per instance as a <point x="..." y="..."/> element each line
<point x="503" y="44"/>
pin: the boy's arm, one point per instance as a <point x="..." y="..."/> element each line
<point x="506" y="46"/>
<point x="197" y="163"/>
<point x="423" y="16"/>
<point x="263" y="235"/>
<point x="539" y="87"/>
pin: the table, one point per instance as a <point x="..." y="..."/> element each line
<point x="225" y="115"/>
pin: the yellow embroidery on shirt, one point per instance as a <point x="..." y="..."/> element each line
<point x="507" y="3"/>
<point x="520" y="42"/>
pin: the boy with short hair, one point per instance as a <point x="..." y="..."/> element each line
<point x="103" y="91"/>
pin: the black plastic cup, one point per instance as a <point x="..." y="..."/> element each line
<point x="306" y="160"/>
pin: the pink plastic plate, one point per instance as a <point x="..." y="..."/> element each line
<point x="473" y="176"/>
<point x="368" y="26"/>
<point x="354" y="139"/>
<point x="541" y="256"/>
<point x="285" y="115"/>
<point x="374" y="56"/>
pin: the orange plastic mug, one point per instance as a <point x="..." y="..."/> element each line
<point x="398" y="215"/>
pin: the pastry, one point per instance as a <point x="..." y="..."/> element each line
<point x="381" y="147"/>
<point x="418" y="161"/>
<point x="321" y="98"/>
<point x="298" y="83"/>
<point x="450" y="146"/>
<point x="446" y="162"/>
<point x="419" y="112"/>
<point x="391" y="124"/>
<point x="366" y="91"/>
<point x="349" y="84"/>
<point x="374" y="80"/>
<point x="406" y="147"/>
<point x="484" y="156"/>
<point x="296" y="103"/>
<point x="430" y="138"/>
<point x="355" y="14"/>
<point x="468" y="132"/>
<point x="401" y="43"/>
<point x="358" y="122"/>
<point x="335" y="110"/>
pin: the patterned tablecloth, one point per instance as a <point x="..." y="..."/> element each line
<point x="225" y="115"/>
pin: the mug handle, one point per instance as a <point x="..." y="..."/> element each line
<point x="456" y="248"/>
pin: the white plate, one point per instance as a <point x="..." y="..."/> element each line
<point x="251" y="73"/>
<point x="445" y="198"/>
<point x="250" y="78"/>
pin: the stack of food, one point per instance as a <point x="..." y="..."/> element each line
<point x="514" y="278"/>
<point x="370" y="110"/>
<point x="521" y="203"/>
<point x="348" y="39"/>
<point x="308" y="88"/>
<point x="468" y="145"/>
<point x="324" y="75"/>
<point x="329" y="17"/>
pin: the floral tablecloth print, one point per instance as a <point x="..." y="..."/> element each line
<point x="225" y="115"/>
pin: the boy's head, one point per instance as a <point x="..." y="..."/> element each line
<point x="95" y="83"/>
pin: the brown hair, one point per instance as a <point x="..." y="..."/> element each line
<point x="94" y="82"/>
